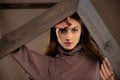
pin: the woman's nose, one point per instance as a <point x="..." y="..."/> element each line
<point x="68" y="36"/>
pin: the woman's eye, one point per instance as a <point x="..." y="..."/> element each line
<point x="62" y="30"/>
<point x="75" y="30"/>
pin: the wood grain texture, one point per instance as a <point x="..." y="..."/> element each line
<point x="15" y="39"/>
<point x="100" y="33"/>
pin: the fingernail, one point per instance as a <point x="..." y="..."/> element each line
<point x="68" y="18"/>
<point x="106" y="59"/>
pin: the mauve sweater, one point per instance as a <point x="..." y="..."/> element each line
<point x="67" y="65"/>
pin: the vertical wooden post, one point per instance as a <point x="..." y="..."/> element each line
<point x="100" y="33"/>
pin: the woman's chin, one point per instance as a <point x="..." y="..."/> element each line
<point x="69" y="48"/>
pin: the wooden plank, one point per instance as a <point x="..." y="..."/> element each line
<point x="26" y="5"/>
<point x="14" y="39"/>
<point x="100" y="33"/>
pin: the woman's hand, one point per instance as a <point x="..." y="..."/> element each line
<point x="63" y="24"/>
<point x="106" y="71"/>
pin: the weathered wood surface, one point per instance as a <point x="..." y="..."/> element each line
<point x="26" y="5"/>
<point x="18" y="37"/>
<point x="100" y="33"/>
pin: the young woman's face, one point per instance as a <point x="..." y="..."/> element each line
<point x="69" y="36"/>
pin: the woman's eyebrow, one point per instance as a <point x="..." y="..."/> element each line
<point x="76" y="27"/>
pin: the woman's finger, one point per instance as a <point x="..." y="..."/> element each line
<point x="109" y="65"/>
<point x="103" y="71"/>
<point x="111" y="73"/>
<point x="102" y="75"/>
<point x="106" y="69"/>
<point x="63" y="24"/>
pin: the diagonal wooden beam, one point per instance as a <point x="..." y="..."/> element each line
<point x="100" y="33"/>
<point x="26" y="5"/>
<point x="18" y="37"/>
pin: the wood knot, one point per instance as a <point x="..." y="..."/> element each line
<point x="108" y="46"/>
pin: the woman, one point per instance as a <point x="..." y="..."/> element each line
<point x="72" y="54"/>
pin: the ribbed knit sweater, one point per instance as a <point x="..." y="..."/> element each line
<point x="67" y="65"/>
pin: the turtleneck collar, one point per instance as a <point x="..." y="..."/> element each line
<point x="77" y="50"/>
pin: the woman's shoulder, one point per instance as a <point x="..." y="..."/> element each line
<point x="39" y="55"/>
<point x="24" y="53"/>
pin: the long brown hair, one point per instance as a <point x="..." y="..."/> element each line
<point x="89" y="45"/>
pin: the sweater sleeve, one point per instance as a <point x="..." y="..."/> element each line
<point x="34" y="64"/>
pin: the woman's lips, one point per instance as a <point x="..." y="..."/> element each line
<point x="68" y="43"/>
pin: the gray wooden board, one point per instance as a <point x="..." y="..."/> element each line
<point x="18" y="37"/>
<point x="100" y="33"/>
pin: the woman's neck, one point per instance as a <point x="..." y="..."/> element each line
<point x="75" y="51"/>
